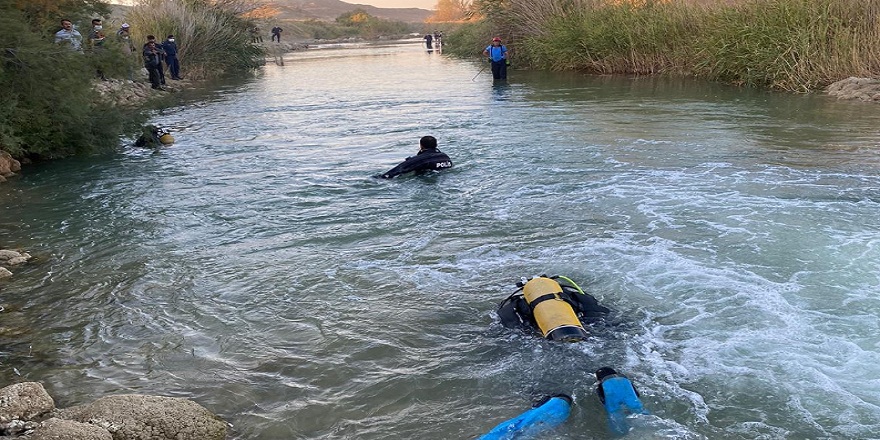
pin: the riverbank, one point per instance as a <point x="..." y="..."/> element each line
<point x="790" y="45"/>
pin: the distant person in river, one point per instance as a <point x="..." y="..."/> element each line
<point x="429" y="41"/>
<point x="427" y="159"/>
<point x="276" y="33"/>
<point x="498" y="56"/>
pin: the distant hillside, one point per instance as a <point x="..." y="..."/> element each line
<point x="328" y="10"/>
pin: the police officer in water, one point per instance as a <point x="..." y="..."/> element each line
<point x="428" y="158"/>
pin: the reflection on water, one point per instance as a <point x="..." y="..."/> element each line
<point x="255" y="267"/>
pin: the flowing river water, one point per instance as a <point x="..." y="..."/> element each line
<point x="255" y="266"/>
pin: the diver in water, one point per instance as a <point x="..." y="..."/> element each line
<point x="428" y="158"/>
<point x="619" y="397"/>
<point x="558" y="310"/>
<point x="153" y="137"/>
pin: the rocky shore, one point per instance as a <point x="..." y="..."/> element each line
<point x="128" y="93"/>
<point x="27" y="411"/>
<point x="9" y="258"/>
<point x="863" y="89"/>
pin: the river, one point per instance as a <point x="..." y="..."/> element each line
<point x="255" y="267"/>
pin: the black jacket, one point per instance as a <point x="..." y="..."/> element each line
<point x="426" y="160"/>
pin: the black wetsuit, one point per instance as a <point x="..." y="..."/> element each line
<point x="515" y="311"/>
<point x="426" y="160"/>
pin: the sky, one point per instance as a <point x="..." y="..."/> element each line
<point x="424" y="4"/>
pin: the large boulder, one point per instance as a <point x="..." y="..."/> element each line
<point x="139" y="417"/>
<point x="12" y="258"/>
<point x="24" y="401"/>
<point x="8" y="165"/>
<point x="60" y="429"/>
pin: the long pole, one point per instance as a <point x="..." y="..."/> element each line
<point x="478" y="73"/>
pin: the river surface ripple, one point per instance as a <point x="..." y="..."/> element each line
<point x="255" y="267"/>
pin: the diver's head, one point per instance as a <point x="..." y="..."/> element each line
<point x="428" y="143"/>
<point x="604" y="372"/>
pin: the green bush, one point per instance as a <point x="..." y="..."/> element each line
<point x="212" y="37"/>
<point x="791" y="45"/>
<point x="48" y="108"/>
<point x="796" y="45"/>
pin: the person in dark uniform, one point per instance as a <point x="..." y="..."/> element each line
<point x="428" y="158"/>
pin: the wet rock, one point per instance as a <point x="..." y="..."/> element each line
<point x="8" y="166"/>
<point x="24" y="401"/>
<point x="864" y="89"/>
<point x="60" y="429"/>
<point x="11" y="258"/>
<point x="17" y="427"/>
<point x="127" y="93"/>
<point x="4" y="273"/>
<point x="140" y="417"/>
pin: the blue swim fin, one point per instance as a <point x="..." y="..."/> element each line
<point x="549" y="414"/>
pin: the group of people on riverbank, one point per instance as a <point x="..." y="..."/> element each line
<point x="156" y="56"/>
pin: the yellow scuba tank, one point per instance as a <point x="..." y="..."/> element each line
<point x="554" y="316"/>
<point x="166" y="139"/>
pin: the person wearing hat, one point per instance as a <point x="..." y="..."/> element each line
<point x="170" y="48"/>
<point x="497" y="54"/>
<point x="124" y="37"/>
<point x="428" y="158"/>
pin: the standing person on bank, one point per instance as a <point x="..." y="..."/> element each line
<point x="428" y="158"/>
<point x="497" y="54"/>
<point x="158" y="47"/>
<point x="69" y="36"/>
<point x="96" y="45"/>
<point x="170" y="48"/>
<point x="152" y="63"/>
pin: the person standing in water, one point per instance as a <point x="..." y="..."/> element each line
<point x="498" y="56"/>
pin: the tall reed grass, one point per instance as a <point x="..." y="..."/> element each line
<point x="212" y="37"/>
<point x="796" y="45"/>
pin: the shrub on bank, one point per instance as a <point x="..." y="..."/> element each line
<point x="212" y="36"/>
<point x="795" y="45"/>
<point x="48" y="108"/>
